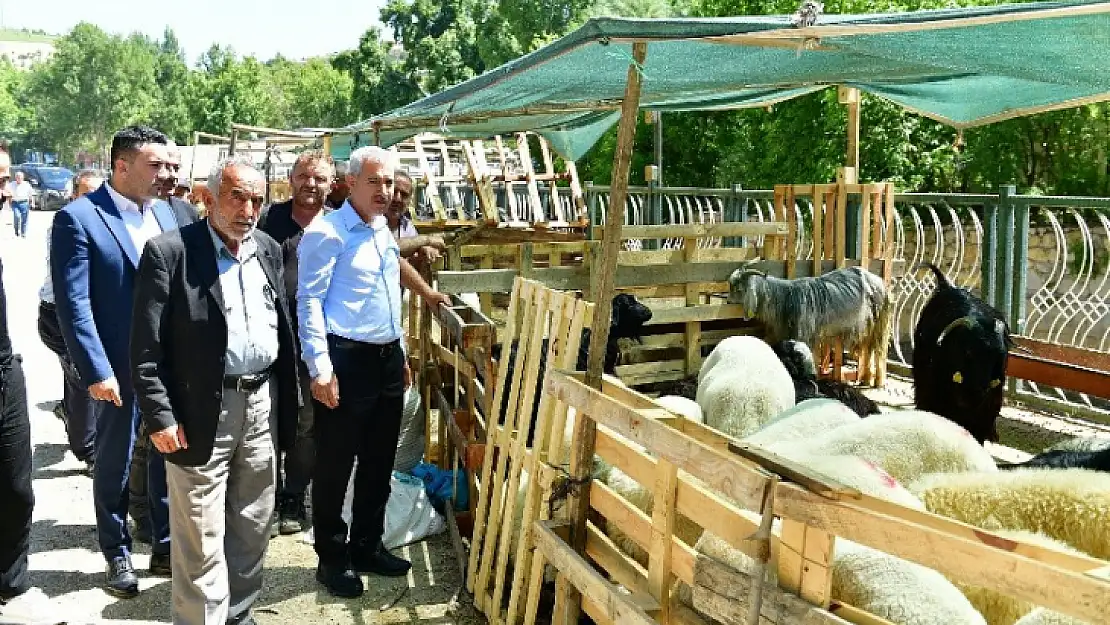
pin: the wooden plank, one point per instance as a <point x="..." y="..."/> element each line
<point x="431" y="188"/>
<point x="601" y="288"/>
<point x="840" y="212"/>
<point x="790" y="215"/>
<point x="637" y="526"/>
<point x="545" y="300"/>
<point x="480" y="178"/>
<point x="1065" y="354"/>
<point x="693" y="327"/>
<point x="722" y="593"/>
<point x="486" y="500"/>
<point x="578" y="279"/>
<point x="623" y="569"/>
<point x="535" y="211"/>
<point x="701" y="230"/>
<point x="616" y="606"/>
<point x="1052" y="373"/>
<point x="696" y="313"/>
<point x="576" y="194"/>
<point x="968" y="561"/>
<point x="662" y="535"/>
<point x="741" y="483"/>
<point x="819" y="194"/>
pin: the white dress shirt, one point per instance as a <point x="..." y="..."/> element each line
<point x="349" y="284"/>
<point x="21" y="191"/>
<point x="141" y="225"/>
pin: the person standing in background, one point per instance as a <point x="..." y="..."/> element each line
<point x="21" y="193"/>
<point x="76" y="409"/>
<point x="310" y="180"/>
<point x="340" y="190"/>
<point x="420" y="250"/>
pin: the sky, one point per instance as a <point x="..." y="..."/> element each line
<point x="294" y="28"/>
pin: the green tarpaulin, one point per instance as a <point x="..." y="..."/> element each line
<point x="964" y="67"/>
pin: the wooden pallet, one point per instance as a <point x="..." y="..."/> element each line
<point x="443" y="166"/>
<point x="717" y="478"/>
<point x="535" y="313"/>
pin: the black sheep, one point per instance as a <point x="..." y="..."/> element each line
<point x="628" y="318"/>
<point x="961" y="345"/>
<point x="798" y="360"/>
<point x="1057" y="459"/>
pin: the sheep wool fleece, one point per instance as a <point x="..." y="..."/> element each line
<point x="1069" y="505"/>
<point x="742" y="385"/>
<point x="906" y="443"/>
<point x="812" y="417"/>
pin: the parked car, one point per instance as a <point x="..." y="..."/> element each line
<point x="51" y="183"/>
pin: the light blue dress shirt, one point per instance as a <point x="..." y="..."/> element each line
<point x="249" y="306"/>
<point x="349" y="284"/>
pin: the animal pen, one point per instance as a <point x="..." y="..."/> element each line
<point x="721" y="485"/>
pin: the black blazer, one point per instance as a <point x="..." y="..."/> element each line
<point x="184" y="212"/>
<point x="179" y="338"/>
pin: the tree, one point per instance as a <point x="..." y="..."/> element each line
<point x="378" y="79"/>
<point x="228" y="90"/>
<point x="313" y="93"/>
<point x="440" y="39"/>
<point x="92" y="86"/>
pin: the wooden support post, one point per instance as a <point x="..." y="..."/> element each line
<point x="693" y="328"/>
<point x="849" y="96"/>
<point x="585" y="429"/>
<point x="231" y="146"/>
<point x="327" y="144"/>
<point x="662" y="530"/>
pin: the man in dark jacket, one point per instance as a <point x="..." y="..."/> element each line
<point x="310" y="179"/>
<point x="214" y="366"/>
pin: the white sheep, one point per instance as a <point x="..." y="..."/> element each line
<point x="906" y="443"/>
<point x="742" y="385"/>
<point x="1069" y="505"/>
<point x="812" y="417"/>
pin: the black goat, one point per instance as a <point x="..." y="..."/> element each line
<point x="628" y="318"/>
<point x="1057" y="459"/>
<point x="798" y="360"/>
<point x="961" y="345"/>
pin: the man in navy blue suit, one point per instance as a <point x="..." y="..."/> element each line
<point x="96" y="243"/>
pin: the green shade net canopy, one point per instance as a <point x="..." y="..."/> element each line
<point x="963" y="67"/>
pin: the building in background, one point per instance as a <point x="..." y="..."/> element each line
<point x="23" y="48"/>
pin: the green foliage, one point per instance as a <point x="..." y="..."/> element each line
<point x="378" y="80"/>
<point x="94" y="84"/>
<point x="312" y="94"/>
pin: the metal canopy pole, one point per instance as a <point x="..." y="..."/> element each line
<point x="602" y="284"/>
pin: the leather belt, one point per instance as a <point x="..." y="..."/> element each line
<point x="383" y="350"/>
<point x="247" y="382"/>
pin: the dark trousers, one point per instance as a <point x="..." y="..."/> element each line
<point x="296" y="465"/>
<point x="15" y="482"/>
<point x="365" y="425"/>
<point x="117" y="429"/>
<point x="79" y="420"/>
<point x="138" y="504"/>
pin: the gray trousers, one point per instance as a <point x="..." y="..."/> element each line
<point x="220" y="515"/>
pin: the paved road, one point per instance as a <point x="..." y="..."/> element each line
<point x="65" y="562"/>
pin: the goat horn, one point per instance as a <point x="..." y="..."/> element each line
<point x="967" y="322"/>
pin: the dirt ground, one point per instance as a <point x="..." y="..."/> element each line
<point x="67" y="566"/>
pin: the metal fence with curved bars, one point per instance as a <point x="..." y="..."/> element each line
<point x="1042" y="261"/>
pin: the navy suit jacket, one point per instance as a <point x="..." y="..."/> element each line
<point x="93" y="265"/>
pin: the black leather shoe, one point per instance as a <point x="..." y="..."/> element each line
<point x="121" y="580"/>
<point x="291" y="515"/>
<point x="341" y="581"/>
<point x="160" y="565"/>
<point x="380" y="562"/>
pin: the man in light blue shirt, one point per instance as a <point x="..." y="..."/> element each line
<point x="349" y="312"/>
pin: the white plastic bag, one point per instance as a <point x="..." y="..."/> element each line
<point x="409" y="515"/>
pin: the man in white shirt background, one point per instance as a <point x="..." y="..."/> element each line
<point x="21" y="193"/>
